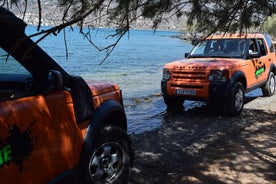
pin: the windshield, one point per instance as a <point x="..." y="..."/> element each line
<point x="226" y="48"/>
<point x="9" y="65"/>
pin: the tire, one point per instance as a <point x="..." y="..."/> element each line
<point x="269" y="88"/>
<point x="111" y="157"/>
<point x="173" y="102"/>
<point x="233" y="104"/>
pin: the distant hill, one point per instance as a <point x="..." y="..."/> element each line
<point x="52" y="15"/>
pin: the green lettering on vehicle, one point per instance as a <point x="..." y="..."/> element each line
<point x="259" y="71"/>
<point x="5" y="154"/>
<point x="1" y="158"/>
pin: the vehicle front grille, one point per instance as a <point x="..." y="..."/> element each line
<point x="191" y="75"/>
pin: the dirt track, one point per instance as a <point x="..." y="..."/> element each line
<point x="203" y="146"/>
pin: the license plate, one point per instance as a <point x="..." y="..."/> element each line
<point x="185" y="92"/>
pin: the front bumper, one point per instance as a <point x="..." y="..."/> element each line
<point x="203" y="91"/>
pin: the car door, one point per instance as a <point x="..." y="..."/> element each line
<point x="258" y="70"/>
<point x="265" y="60"/>
<point x="39" y="138"/>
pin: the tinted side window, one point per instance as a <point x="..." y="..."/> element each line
<point x="9" y="65"/>
<point x="252" y="46"/>
<point x="263" y="50"/>
<point x="14" y="78"/>
<point x="269" y="42"/>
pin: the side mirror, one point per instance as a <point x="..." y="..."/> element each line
<point x="186" y="55"/>
<point x="254" y="55"/>
<point x="55" y="80"/>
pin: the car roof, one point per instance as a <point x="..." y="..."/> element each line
<point x="235" y="35"/>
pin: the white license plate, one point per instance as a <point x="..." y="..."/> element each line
<point x="185" y="92"/>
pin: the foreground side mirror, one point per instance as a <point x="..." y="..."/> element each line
<point x="55" y="80"/>
<point x="186" y="55"/>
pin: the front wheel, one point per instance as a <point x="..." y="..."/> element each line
<point x="110" y="158"/>
<point x="235" y="100"/>
<point x="173" y="102"/>
<point x="269" y="88"/>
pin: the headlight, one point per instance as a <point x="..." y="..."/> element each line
<point x="218" y="75"/>
<point x="166" y="74"/>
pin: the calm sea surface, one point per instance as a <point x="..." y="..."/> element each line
<point x="135" y="64"/>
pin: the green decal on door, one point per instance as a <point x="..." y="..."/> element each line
<point x="5" y="154"/>
<point x="259" y="71"/>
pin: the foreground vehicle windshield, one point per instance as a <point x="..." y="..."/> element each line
<point x="228" y="48"/>
<point x="9" y="64"/>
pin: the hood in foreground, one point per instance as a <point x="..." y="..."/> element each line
<point x="99" y="88"/>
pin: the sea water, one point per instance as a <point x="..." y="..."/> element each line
<point x="135" y="64"/>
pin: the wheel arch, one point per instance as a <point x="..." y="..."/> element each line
<point x="239" y="76"/>
<point x="108" y="111"/>
<point x="272" y="69"/>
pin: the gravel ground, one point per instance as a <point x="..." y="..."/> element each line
<point x="200" y="145"/>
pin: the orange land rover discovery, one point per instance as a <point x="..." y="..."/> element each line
<point x="221" y="68"/>
<point x="55" y="127"/>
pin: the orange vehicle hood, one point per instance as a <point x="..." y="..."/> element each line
<point x="205" y="63"/>
<point x="99" y="88"/>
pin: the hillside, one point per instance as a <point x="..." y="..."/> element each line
<point x="52" y="15"/>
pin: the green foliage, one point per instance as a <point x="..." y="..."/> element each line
<point x="206" y="16"/>
<point x="228" y="15"/>
<point x="269" y="26"/>
<point x="202" y="16"/>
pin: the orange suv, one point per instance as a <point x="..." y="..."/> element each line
<point x="221" y="68"/>
<point x="55" y="127"/>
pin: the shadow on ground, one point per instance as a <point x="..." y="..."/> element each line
<point x="202" y="146"/>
